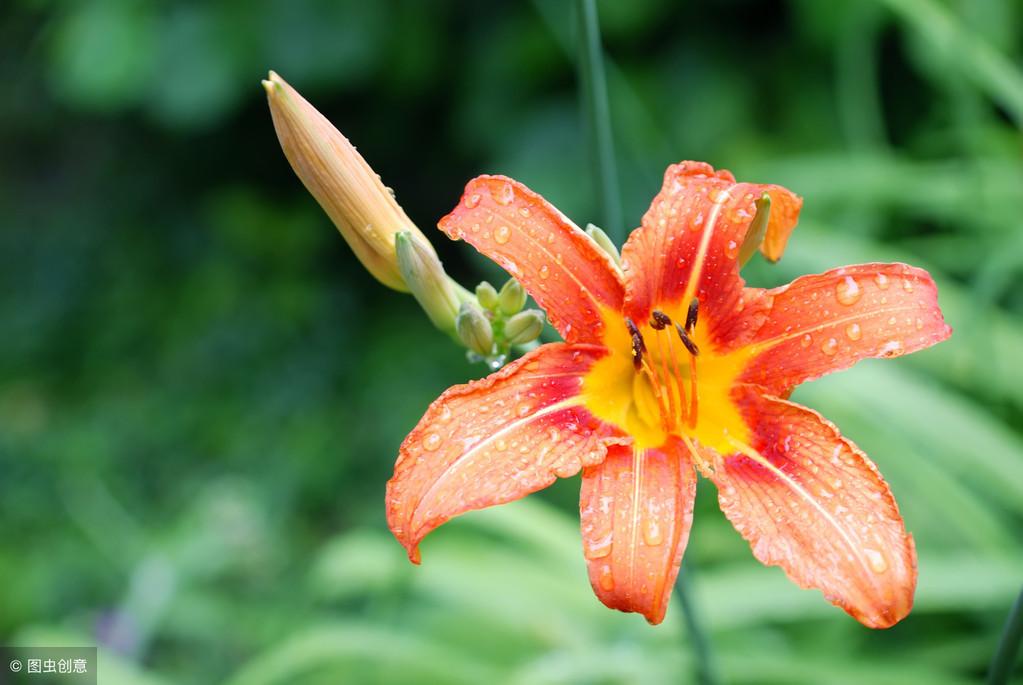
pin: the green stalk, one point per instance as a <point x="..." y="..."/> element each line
<point x="706" y="673"/>
<point x="597" y="117"/>
<point x="1008" y="645"/>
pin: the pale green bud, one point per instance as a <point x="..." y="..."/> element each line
<point x="486" y="296"/>
<point x="512" y="297"/>
<point x="424" y="275"/>
<point x="524" y="327"/>
<point x="474" y="329"/>
<point x="604" y="242"/>
<point x="756" y="231"/>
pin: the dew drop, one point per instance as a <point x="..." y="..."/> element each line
<point x="598" y="549"/>
<point x="431" y="441"/>
<point x="732" y="250"/>
<point x="523" y="409"/>
<point x="853" y="332"/>
<point x="806" y="340"/>
<point x="919" y="324"/>
<point x="652" y="532"/>
<point x="882" y="281"/>
<point x="524" y="211"/>
<point x="501" y="445"/>
<point x="829" y="347"/>
<point x="606" y="581"/>
<point x="876" y="560"/>
<point x="892" y="348"/>
<point x="504" y="194"/>
<point x="848" y="291"/>
<point x="544" y="271"/>
<point x="907" y="285"/>
<point x="502" y="234"/>
<point x="472" y="200"/>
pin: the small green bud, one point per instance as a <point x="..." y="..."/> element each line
<point x="474" y="329"/>
<point x="524" y="327"/>
<point x="604" y="242"/>
<point x="423" y="273"/>
<point x="486" y="296"/>
<point x="512" y="297"/>
<point x="756" y="231"/>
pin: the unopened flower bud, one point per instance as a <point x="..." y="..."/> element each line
<point x="604" y="242"/>
<point x="474" y="329"/>
<point x="524" y="327"/>
<point x="486" y="296"/>
<point x="424" y="275"/>
<point x="756" y="231"/>
<point x="349" y="191"/>
<point x="512" y="297"/>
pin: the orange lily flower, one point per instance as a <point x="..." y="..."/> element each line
<point x="670" y="366"/>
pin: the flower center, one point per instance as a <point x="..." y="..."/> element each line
<point x="665" y="377"/>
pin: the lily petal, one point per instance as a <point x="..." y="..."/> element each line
<point x="810" y="501"/>
<point x="636" y="509"/>
<point x="689" y="242"/>
<point x="558" y="264"/>
<point x="495" y="440"/>
<point x="827" y="322"/>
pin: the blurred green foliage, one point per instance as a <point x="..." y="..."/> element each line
<point x="202" y="393"/>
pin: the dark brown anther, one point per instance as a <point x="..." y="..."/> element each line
<point x="687" y="341"/>
<point x="658" y="320"/>
<point x="694" y="311"/>
<point x="638" y="344"/>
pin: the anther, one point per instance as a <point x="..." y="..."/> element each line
<point x="659" y="320"/>
<point x="638" y="344"/>
<point x="694" y="311"/>
<point x="687" y="341"/>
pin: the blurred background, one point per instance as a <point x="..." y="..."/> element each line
<point x="202" y="392"/>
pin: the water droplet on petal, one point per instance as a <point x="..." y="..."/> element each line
<point x="806" y="340"/>
<point x="876" y="560"/>
<point x="504" y="194"/>
<point x="431" y="441"/>
<point x="502" y="234"/>
<point x="524" y="211"/>
<point x="907" y="285"/>
<point x="606" y="579"/>
<point x="882" y="281"/>
<point x="892" y="348"/>
<point x="732" y="250"/>
<point x="919" y="324"/>
<point x="892" y="321"/>
<point x="829" y="346"/>
<point x="598" y="549"/>
<point x="853" y="332"/>
<point x="544" y="271"/>
<point x="472" y="200"/>
<point x="501" y="445"/>
<point x="848" y="291"/>
<point x="652" y="532"/>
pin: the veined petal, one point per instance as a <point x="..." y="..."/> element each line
<point x="558" y="264"/>
<point x="810" y="501"/>
<point x="689" y="242"/>
<point x="495" y="440"/>
<point x="636" y="509"/>
<point x="826" y="322"/>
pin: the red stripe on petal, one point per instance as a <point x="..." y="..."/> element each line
<point x="826" y="322"/>
<point x="556" y="262"/>
<point x="809" y="501"/>
<point x="689" y="242"/>
<point x="495" y="440"/>
<point x="636" y="509"/>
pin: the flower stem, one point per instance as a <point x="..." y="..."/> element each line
<point x="1008" y="645"/>
<point x="597" y="116"/>
<point x="705" y="672"/>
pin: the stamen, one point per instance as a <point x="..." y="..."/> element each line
<point x="694" y="311"/>
<point x="659" y="320"/>
<point x="687" y="341"/>
<point x="694" y="404"/>
<point x="638" y="344"/>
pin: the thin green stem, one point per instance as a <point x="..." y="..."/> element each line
<point x="1008" y="645"/>
<point x="705" y="671"/>
<point x="597" y="117"/>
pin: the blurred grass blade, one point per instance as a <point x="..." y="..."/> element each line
<point x="1008" y="645"/>
<point x="597" y="115"/>
<point x="961" y="48"/>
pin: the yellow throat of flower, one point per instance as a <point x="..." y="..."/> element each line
<point x="664" y="378"/>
